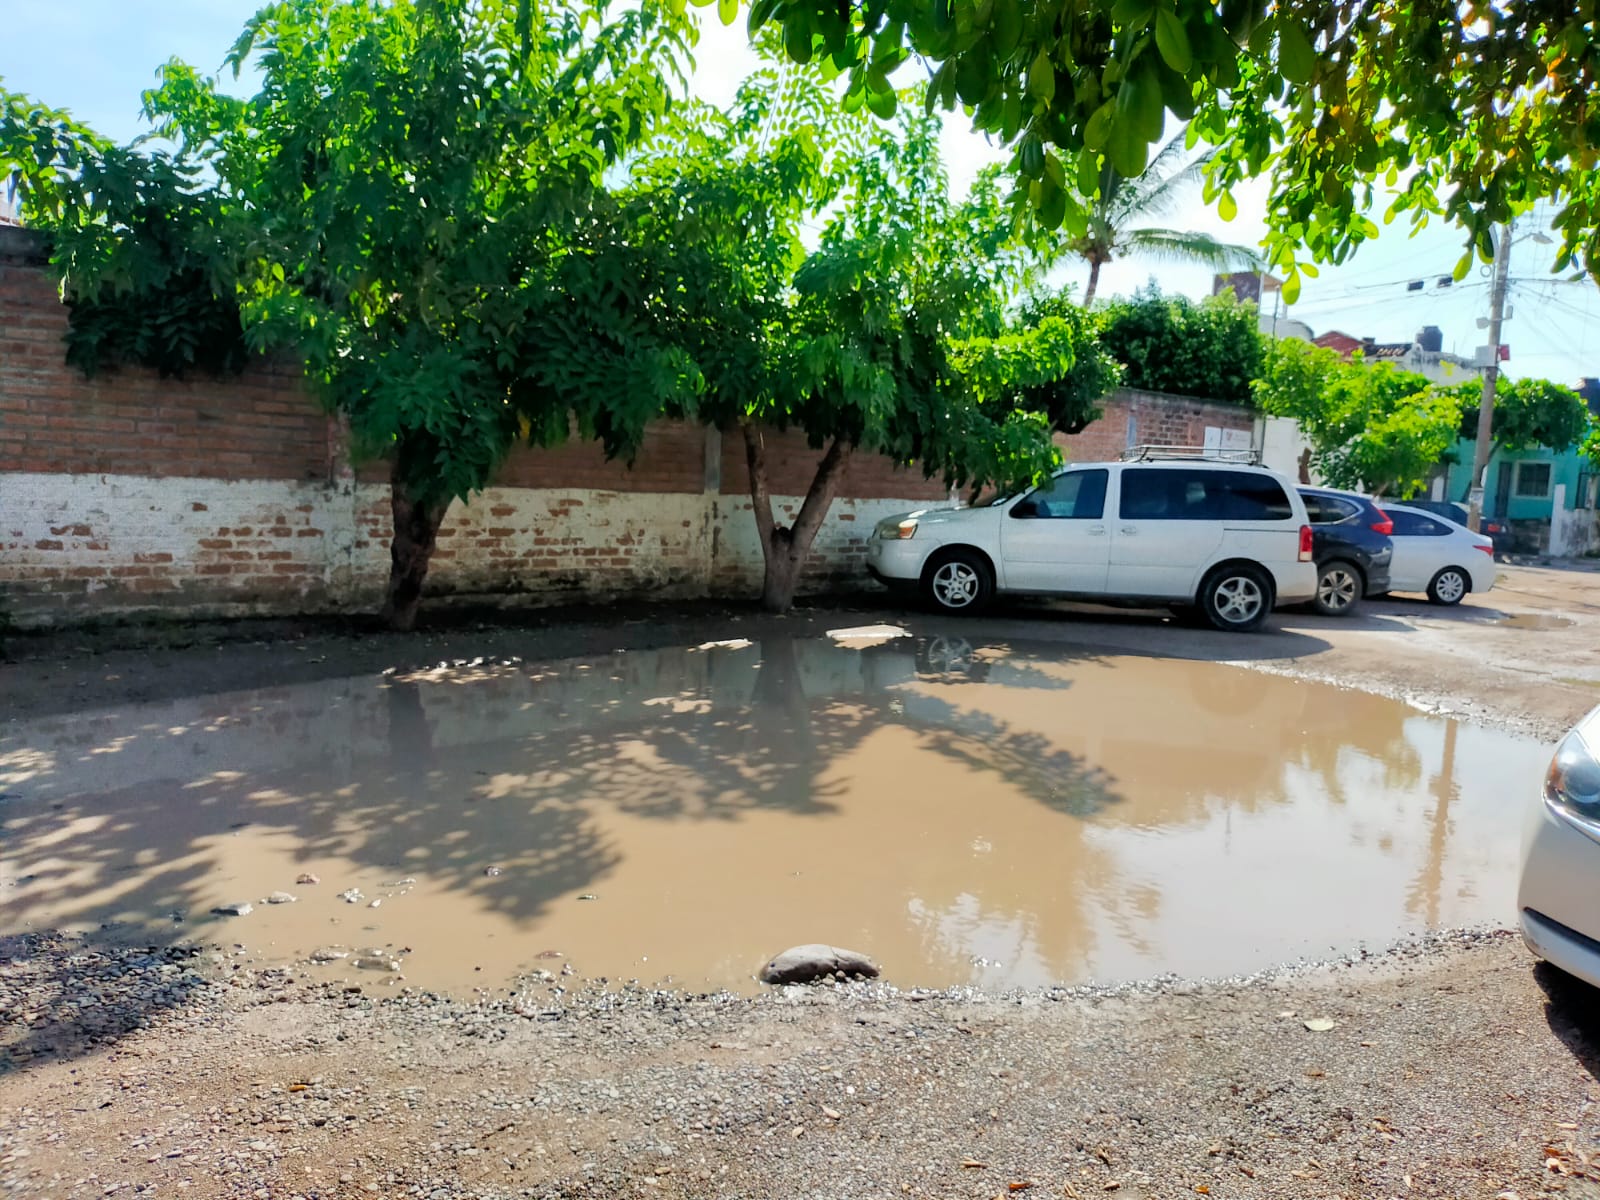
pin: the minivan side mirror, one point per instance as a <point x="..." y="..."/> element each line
<point x="1025" y="508"/>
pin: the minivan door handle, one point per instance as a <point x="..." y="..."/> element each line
<point x="1095" y="530"/>
<point x="1127" y="530"/>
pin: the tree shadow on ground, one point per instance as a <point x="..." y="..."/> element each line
<point x="487" y="778"/>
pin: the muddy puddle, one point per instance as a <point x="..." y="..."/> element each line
<point x="1535" y="621"/>
<point x="993" y="814"/>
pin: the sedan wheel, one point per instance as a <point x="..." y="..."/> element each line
<point x="1338" y="590"/>
<point x="1448" y="586"/>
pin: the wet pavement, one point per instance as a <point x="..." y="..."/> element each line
<point x="994" y="813"/>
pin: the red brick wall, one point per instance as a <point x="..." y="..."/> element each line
<point x="791" y="465"/>
<point x="132" y="422"/>
<point x="1150" y="418"/>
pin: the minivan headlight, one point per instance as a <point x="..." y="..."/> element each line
<point x="1573" y="781"/>
<point x="897" y="528"/>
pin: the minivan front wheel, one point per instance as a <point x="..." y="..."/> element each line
<point x="958" y="581"/>
<point x="1236" y="597"/>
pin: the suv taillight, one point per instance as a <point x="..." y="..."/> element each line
<point x="1305" y="543"/>
<point x="1384" y="524"/>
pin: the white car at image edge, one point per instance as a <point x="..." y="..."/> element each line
<point x="1229" y="540"/>
<point x="1559" y="896"/>
<point x="1437" y="557"/>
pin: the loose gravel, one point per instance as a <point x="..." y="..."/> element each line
<point x="1447" y="1067"/>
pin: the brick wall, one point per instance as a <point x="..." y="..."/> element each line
<point x="1133" y="418"/>
<point x="129" y="493"/>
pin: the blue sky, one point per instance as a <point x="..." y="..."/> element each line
<point x="95" y="56"/>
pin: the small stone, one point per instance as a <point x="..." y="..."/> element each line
<point x="351" y="896"/>
<point x="281" y="898"/>
<point x="806" y="964"/>
<point x="326" y="954"/>
<point x="376" y="902"/>
<point x="234" y="910"/>
<point x="491" y="870"/>
<point x="307" y="877"/>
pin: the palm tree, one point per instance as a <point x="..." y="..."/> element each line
<point x="1155" y="193"/>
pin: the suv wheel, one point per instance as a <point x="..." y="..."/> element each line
<point x="958" y="582"/>
<point x="1236" y="597"/>
<point x="1448" y="586"/>
<point x="1339" y="588"/>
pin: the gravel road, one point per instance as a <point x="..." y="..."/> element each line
<point x="1450" y="1067"/>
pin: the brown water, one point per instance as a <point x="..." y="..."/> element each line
<point x="967" y="813"/>
<point x="1535" y="621"/>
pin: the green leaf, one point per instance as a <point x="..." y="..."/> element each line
<point x="1226" y="208"/>
<point x="1042" y="78"/>
<point x="882" y="103"/>
<point x="727" y="11"/>
<point x="1097" y="131"/>
<point x="1172" y="41"/>
<point x="1132" y="14"/>
<point x="1296" y="59"/>
<point x="1291" y="287"/>
<point x="1007" y="26"/>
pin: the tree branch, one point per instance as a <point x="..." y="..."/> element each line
<point x="755" y="457"/>
<point x="824" y="485"/>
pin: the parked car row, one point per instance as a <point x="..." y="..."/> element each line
<point x="1226" y="539"/>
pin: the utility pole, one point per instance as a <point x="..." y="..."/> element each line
<point x="1491" y="377"/>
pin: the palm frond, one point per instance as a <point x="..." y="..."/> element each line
<point x="1199" y="248"/>
<point x="1156" y="192"/>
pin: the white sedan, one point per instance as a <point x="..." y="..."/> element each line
<point x="1561" y="858"/>
<point x="1437" y="556"/>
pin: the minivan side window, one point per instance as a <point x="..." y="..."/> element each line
<point x="1072" y="495"/>
<point x="1182" y="494"/>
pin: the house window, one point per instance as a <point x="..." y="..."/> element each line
<point x="1532" y="481"/>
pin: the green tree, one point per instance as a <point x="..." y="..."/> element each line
<point x="1117" y="202"/>
<point x="1372" y="427"/>
<point x="889" y="337"/>
<point x="404" y="203"/>
<point x="1527" y="413"/>
<point x="1211" y="350"/>
<point x="1071" y="402"/>
<point x="1483" y="109"/>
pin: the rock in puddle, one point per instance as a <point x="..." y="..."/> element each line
<point x="281" y="898"/>
<point x="351" y="896"/>
<point x="234" y="910"/>
<point x="807" y="964"/>
<point x="325" y="954"/>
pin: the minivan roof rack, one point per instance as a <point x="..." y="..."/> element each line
<point x="1155" y="453"/>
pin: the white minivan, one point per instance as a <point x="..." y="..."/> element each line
<point x="1228" y="538"/>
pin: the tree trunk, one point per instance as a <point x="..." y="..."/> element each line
<point x="416" y="528"/>
<point x="784" y="549"/>
<point x="1305" y="466"/>
<point x="1094" y="282"/>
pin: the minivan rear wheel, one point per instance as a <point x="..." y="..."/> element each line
<point x="1236" y="597"/>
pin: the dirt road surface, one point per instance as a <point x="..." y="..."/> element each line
<point x="1451" y="1067"/>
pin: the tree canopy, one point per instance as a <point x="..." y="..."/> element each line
<point x="402" y="204"/>
<point x="1210" y="350"/>
<point x="1480" y="109"/>
<point x="1527" y="413"/>
<point x="1371" y="427"/>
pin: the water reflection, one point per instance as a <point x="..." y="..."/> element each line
<point x="992" y="813"/>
